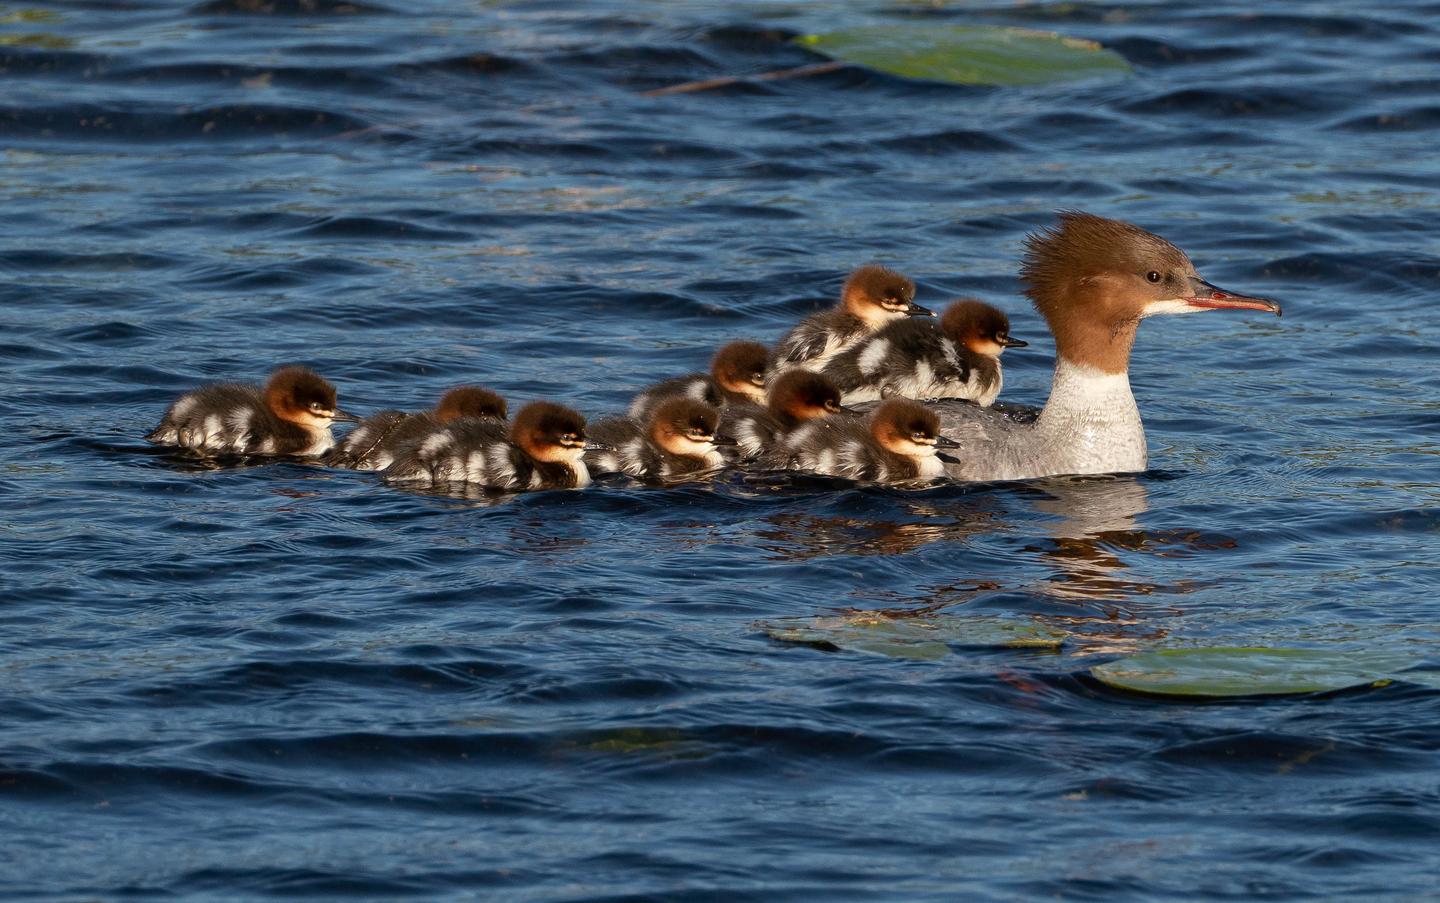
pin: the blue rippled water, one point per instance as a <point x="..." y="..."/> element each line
<point x="282" y="680"/>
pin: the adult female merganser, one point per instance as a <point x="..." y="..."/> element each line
<point x="737" y="374"/>
<point x="374" y="443"/>
<point x="1093" y="280"/>
<point x="543" y="449"/>
<point x="872" y="297"/>
<point x="957" y="358"/>
<point x="291" y="415"/>
<point x="898" y="442"/>
<point x="678" y="439"/>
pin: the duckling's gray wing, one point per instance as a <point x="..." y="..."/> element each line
<point x="805" y="342"/>
<point x="754" y="429"/>
<point x="361" y="447"/>
<point x="698" y="386"/>
<point x="628" y="453"/>
<point x="466" y="450"/>
<point x="215" y="418"/>
<point x="836" y="447"/>
<point x="907" y="358"/>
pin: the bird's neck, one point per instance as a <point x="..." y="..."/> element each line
<point x="1091" y="420"/>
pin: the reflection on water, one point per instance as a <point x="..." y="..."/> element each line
<point x="800" y="535"/>
<point x="1093" y="525"/>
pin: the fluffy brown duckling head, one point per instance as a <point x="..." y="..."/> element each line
<point x="549" y="432"/>
<point x="981" y="327"/>
<point x="686" y="427"/>
<point x="302" y="397"/>
<point x="803" y="395"/>
<point x="739" y="367"/>
<point x="470" y="401"/>
<point x="908" y="428"/>
<point x="878" y="294"/>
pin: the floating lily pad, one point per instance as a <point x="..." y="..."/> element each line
<point x="968" y="54"/>
<point x="922" y="638"/>
<point x="1248" y="671"/>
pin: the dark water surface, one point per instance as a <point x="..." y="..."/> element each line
<point x="284" y="680"/>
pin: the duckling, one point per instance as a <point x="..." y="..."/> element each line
<point x="677" y="440"/>
<point x="957" y="358"/>
<point x="899" y="442"/>
<point x="794" y="397"/>
<point x="374" y="443"/>
<point x="543" y="449"/>
<point x="872" y="297"/>
<point x="291" y="416"/>
<point x="737" y="373"/>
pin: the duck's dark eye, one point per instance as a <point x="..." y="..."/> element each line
<point x="1153" y="276"/>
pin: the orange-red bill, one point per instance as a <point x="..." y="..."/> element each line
<point x="1212" y="296"/>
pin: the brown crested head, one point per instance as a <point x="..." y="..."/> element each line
<point x="549" y="432"/>
<point x="470" y="401"/>
<point x="684" y="425"/>
<point x="1094" y="279"/>
<point x="803" y="395"/>
<point x="874" y="292"/>
<point x="739" y="367"/>
<point x="981" y="327"/>
<point x="905" y="427"/>
<point x="300" y="395"/>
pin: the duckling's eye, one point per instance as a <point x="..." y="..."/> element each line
<point x="1153" y="276"/>
<point x="919" y="437"/>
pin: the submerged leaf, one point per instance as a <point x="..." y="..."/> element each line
<point x="922" y="638"/>
<point x="1247" y="671"/>
<point x="968" y="54"/>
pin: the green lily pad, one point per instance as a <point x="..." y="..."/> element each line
<point x="968" y="54"/>
<point x="1248" y="671"/>
<point x="920" y="638"/>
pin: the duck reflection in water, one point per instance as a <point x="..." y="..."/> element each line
<point x="1094" y="525"/>
<point x="802" y="536"/>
